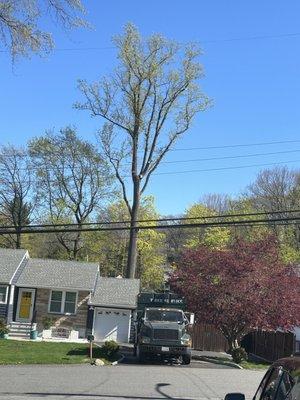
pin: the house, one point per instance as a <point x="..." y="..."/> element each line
<point x="11" y="264"/>
<point x="55" y="290"/>
<point x="71" y="296"/>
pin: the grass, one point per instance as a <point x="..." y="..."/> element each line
<point x="245" y="364"/>
<point x="22" y="352"/>
<point x="254" y="365"/>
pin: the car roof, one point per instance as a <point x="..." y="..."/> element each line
<point x="290" y="364"/>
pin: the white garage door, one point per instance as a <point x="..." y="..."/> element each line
<point x="111" y="324"/>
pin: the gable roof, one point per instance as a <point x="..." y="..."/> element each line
<point x="10" y="261"/>
<point x="116" y="292"/>
<point x="58" y="274"/>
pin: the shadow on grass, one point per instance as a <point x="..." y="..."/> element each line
<point x="98" y="352"/>
<point x="78" y="352"/>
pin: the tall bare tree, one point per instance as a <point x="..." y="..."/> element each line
<point x="19" y="23"/>
<point x="147" y="104"/>
<point x="274" y="190"/>
<point x="73" y="179"/>
<point x="16" y="195"/>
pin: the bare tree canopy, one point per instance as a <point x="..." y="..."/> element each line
<point x="147" y="104"/>
<point x="16" y="197"/>
<point x="73" y="179"/>
<point x="276" y="189"/>
<point x="20" y="30"/>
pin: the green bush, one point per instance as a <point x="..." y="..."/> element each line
<point x="239" y="354"/>
<point x="110" y="348"/>
<point x="47" y="322"/>
<point x="3" y="327"/>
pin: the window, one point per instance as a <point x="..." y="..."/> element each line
<point x="3" y="294"/>
<point x="270" y="389"/>
<point x="62" y="302"/>
<point x="268" y="386"/>
<point x="285" y="386"/>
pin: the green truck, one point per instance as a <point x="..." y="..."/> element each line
<point x="161" y="327"/>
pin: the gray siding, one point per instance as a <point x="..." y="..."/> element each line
<point x="3" y="309"/>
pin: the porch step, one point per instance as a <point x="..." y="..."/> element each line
<point x="20" y="325"/>
<point x="19" y="334"/>
<point x="19" y="329"/>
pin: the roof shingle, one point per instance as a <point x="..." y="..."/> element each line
<point x="116" y="292"/>
<point x="10" y="259"/>
<point x="48" y="273"/>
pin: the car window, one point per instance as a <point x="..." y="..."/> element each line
<point x="262" y="385"/>
<point x="285" y="386"/>
<point x="268" y="387"/>
<point x="269" y="391"/>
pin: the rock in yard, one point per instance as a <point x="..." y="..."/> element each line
<point x="99" y="362"/>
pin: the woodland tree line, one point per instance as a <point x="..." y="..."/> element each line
<point x="60" y="178"/>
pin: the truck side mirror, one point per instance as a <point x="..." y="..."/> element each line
<point x="190" y="318"/>
<point x="234" y="396"/>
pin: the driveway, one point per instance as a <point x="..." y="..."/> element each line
<point x="123" y="382"/>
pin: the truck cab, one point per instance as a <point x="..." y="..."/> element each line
<point x="162" y="328"/>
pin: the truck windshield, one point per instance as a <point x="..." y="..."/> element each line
<point x="164" y="315"/>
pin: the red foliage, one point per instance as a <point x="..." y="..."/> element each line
<point x="241" y="288"/>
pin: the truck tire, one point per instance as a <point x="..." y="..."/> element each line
<point x="186" y="359"/>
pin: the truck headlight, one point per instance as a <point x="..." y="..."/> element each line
<point x="187" y="341"/>
<point x="145" y="339"/>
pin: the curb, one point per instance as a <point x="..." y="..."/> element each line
<point x="216" y="361"/>
<point x="119" y="360"/>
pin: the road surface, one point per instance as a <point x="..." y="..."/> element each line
<point x="125" y="381"/>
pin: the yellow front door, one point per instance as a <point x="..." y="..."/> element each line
<point x="25" y="304"/>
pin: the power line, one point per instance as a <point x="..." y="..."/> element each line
<point x="234" y="145"/>
<point x="223" y="168"/>
<point x="237" y="145"/>
<point x="205" y="41"/>
<point x="158" y="220"/>
<point x="159" y="227"/>
<point x="231" y="157"/>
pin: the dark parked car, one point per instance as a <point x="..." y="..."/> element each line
<point x="281" y="382"/>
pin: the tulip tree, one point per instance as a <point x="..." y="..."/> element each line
<point x="241" y="288"/>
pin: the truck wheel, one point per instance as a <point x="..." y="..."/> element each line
<point x="186" y="359"/>
<point x="139" y="354"/>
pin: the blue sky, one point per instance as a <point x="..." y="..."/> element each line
<point x="253" y="79"/>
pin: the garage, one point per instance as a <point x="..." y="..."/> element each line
<point x="112" y="305"/>
<point x="112" y="324"/>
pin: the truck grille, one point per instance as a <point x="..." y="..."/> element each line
<point x="169" y="334"/>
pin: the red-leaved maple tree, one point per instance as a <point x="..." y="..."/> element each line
<point x="241" y="288"/>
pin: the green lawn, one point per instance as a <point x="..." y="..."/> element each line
<point x="254" y="365"/>
<point x="23" y="352"/>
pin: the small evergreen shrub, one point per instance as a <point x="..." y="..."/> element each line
<point x="3" y="327"/>
<point x="239" y="354"/>
<point x="110" y="348"/>
<point x="47" y="322"/>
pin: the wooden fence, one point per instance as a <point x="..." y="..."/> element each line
<point x="207" y="338"/>
<point x="269" y="345"/>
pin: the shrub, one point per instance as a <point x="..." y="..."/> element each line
<point x="3" y="327"/>
<point x="110" y="348"/>
<point x="239" y="354"/>
<point x="47" y="322"/>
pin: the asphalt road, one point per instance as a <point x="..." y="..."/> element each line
<point x="146" y="382"/>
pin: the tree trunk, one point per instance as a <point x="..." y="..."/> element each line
<point x="18" y="238"/>
<point x="132" y="250"/>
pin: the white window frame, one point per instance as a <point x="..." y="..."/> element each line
<point x="63" y="298"/>
<point x="6" y="294"/>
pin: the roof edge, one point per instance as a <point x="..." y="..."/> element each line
<point x="18" y="267"/>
